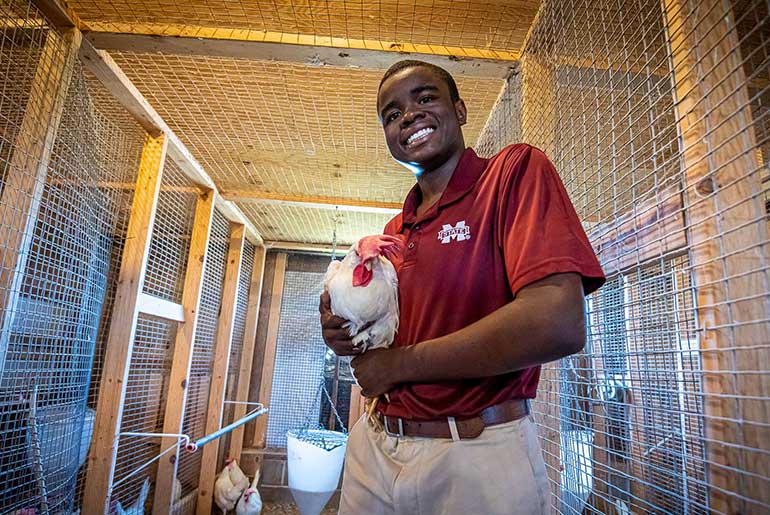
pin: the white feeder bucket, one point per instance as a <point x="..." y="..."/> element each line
<point x="314" y="471"/>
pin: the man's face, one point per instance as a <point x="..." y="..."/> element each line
<point x="421" y="123"/>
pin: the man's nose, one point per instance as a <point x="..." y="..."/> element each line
<point x="410" y="116"/>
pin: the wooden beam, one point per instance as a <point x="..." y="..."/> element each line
<point x="58" y="14"/>
<point x="654" y="228"/>
<point x="183" y="351"/>
<point x="125" y="312"/>
<point x="312" y="201"/>
<point x="27" y="170"/>
<point x="728" y="235"/>
<point x="313" y="248"/>
<point x="222" y="346"/>
<point x="310" y="51"/>
<point x="247" y="356"/>
<point x="268" y="364"/>
<point x="161" y="308"/>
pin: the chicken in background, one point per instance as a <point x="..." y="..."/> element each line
<point x="229" y="486"/>
<point x="250" y="502"/>
<point x="363" y="289"/>
<point x="137" y="508"/>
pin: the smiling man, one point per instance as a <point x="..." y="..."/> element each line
<point x="491" y="286"/>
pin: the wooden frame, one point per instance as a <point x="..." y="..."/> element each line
<point x="306" y="49"/>
<point x="218" y="384"/>
<point x="125" y="312"/>
<point x="247" y="356"/>
<point x="721" y="171"/>
<point x="28" y="169"/>
<point x="183" y="351"/>
<point x="268" y="364"/>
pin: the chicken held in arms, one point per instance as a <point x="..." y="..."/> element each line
<point x="363" y="289"/>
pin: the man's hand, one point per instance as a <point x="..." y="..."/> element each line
<point x="335" y="336"/>
<point x="376" y="371"/>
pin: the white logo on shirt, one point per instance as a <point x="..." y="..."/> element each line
<point x="459" y="232"/>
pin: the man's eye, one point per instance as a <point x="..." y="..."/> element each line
<point x="392" y="116"/>
<point x="425" y="99"/>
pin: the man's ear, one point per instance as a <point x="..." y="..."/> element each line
<point x="462" y="112"/>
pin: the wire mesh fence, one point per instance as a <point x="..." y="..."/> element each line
<point x="654" y="114"/>
<point x="194" y="423"/>
<point x="302" y="363"/>
<point x="61" y="216"/>
<point x="236" y="348"/>
<point x="144" y="405"/>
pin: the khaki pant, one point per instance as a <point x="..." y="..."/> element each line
<point x="499" y="473"/>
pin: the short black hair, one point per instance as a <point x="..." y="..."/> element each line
<point x="454" y="94"/>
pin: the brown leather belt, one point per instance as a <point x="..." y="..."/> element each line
<point x="467" y="428"/>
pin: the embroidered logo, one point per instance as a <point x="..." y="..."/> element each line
<point x="459" y="232"/>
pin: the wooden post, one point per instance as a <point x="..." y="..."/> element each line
<point x="28" y="168"/>
<point x="183" y="351"/>
<point x="538" y="125"/>
<point x="728" y="235"/>
<point x="268" y="365"/>
<point x="249" y="340"/>
<point x="222" y="347"/>
<point x="120" y="341"/>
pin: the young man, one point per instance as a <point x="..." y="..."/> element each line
<point x="491" y="286"/>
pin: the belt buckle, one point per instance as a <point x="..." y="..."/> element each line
<point x="400" y="427"/>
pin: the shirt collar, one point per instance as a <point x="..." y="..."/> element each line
<point x="468" y="170"/>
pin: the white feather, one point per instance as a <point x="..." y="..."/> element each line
<point x="376" y="302"/>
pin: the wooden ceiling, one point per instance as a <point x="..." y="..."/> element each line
<point x="276" y="99"/>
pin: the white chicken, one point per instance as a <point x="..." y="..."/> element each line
<point x="250" y="502"/>
<point x="137" y="508"/>
<point x="229" y="486"/>
<point x="363" y="289"/>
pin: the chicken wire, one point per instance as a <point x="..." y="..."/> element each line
<point x="194" y="423"/>
<point x="170" y="243"/>
<point x="300" y="357"/>
<point x="51" y="316"/>
<point x="288" y="130"/>
<point x="655" y="115"/>
<point x="236" y="347"/>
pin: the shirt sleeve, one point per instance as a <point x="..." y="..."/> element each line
<point x="539" y="230"/>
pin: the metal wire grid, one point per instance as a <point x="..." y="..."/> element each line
<point x="170" y="243"/>
<point x="144" y="407"/>
<point x="496" y="25"/>
<point x="196" y="406"/>
<point x="299" y="358"/>
<point x="288" y="223"/>
<point x="633" y="423"/>
<point x="46" y="427"/>
<point x="236" y="347"/>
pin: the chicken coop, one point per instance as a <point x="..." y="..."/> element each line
<point x="175" y="177"/>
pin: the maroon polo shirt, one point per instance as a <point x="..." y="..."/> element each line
<point x="501" y="224"/>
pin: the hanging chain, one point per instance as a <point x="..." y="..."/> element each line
<point x="334" y="409"/>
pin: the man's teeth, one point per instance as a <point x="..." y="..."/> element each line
<point x="419" y="134"/>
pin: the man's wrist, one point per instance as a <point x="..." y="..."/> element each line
<point x="406" y="364"/>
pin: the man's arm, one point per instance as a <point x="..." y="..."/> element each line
<point x="543" y="323"/>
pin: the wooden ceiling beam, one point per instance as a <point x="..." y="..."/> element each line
<point x="312" y="201"/>
<point x="307" y="50"/>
